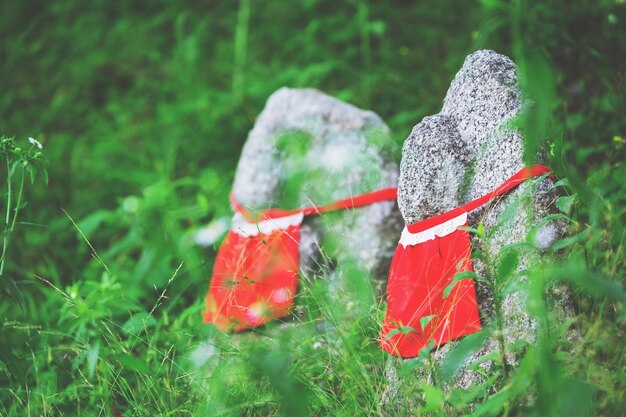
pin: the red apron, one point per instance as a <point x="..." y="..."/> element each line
<point x="255" y="277"/>
<point x="430" y="253"/>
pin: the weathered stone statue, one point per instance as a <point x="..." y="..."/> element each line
<point x="460" y="154"/>
<point x="307" y="148"/>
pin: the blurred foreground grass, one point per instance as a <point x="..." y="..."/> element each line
<point x="142" y="108"/>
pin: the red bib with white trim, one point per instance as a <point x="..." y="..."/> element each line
<point x="255" y="277"/>
<point x="429" y="255"/>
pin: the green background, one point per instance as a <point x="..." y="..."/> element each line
<point x="142" y="109"/>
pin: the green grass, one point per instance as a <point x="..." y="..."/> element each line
<point x="142" y="109"/>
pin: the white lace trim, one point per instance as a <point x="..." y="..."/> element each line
<point x="265" y="227"/>
<point x="441" y="230"/>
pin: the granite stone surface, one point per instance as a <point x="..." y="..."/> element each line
<point x="307" y="148"/>
<point x="462" y="153"/>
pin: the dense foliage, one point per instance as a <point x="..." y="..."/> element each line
<point x="141" y="109"/>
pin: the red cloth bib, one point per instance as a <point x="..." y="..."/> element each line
<point x="255" y="277"/>
<point x="430" y="253"/>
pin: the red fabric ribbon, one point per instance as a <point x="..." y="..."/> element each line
<point x="255" y="277"/>
<point x="421" y="305"/>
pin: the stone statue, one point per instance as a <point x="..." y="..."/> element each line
<point x="307" y="148"/>
<point x="460" y="154"/>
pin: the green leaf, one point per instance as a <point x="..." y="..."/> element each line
<point x="425" y="320"/>
<point x="433" y="397"/>
<point x="563" y="182"/>
<point x="424" y="354"/>
<point x="592" y="283"/>
<point x="570" y="240"/>
<point x="14" y="165"/>
<point x="564" y="203"/>
<point x="458" y="277"/>
<point x="478" y="254"/>
<point x="31" y="172"/>
<point x="134" y="364"/>
<point x="507" y="265"/>
<point x="92" y="357"/>
<point x="138" y="323"/>
<point x="469" y="229"/>
<point x="408" y="366"/>
<point x="480" y="231"/>
<point x="460" y="354"/>
<point x="405" y="330"/>
<point x="90" y="223"/>
<point x="575" y="397"/>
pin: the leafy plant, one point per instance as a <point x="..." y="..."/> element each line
<point x="22" y="162"/>
<point x="143" y="109"/>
